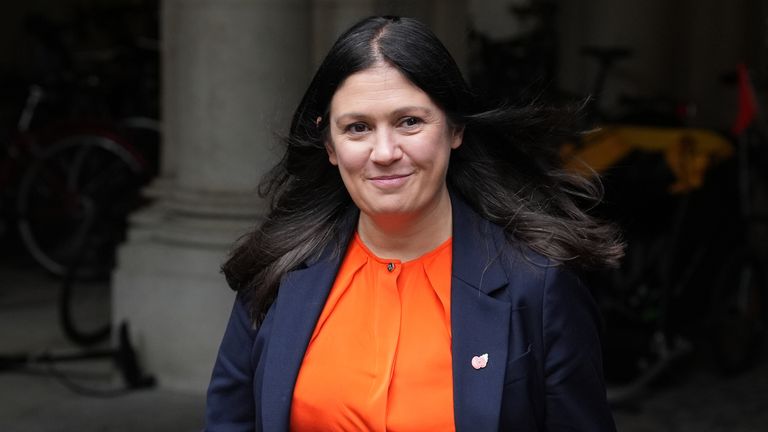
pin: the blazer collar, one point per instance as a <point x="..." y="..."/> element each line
<point x="477" y="246"/>
<point x="477" y="324"/>
<point x="298" y="305"/>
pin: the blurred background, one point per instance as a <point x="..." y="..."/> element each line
<point x="133" y="134"/>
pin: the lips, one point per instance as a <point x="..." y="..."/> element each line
<point x="389" y="181"/>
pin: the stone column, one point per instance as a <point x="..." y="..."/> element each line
<point x="330" y="18"/>
<point x="447" y="18"/>
<point x="450" y="22"/>
<point x="233" y="71"/>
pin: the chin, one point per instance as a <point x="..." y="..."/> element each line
<point x="387" y="207"/>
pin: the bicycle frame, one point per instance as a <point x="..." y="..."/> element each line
<point x="695" y="269"/>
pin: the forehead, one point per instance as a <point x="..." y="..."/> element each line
<point x="377" y="88"/>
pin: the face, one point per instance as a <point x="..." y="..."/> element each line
<point x="390" y="142"/>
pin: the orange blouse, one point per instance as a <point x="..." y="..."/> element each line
<point x="380" y="356"/>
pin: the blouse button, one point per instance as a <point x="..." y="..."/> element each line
<point x="390" y="266"/>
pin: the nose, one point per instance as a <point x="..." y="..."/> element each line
<point x="386" y="148"/>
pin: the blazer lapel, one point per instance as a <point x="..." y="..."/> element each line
<point x="479" y="325"/>
<point x="298" y="305"/>
<point x="479" y="322"/>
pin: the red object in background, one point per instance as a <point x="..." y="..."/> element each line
<point x="747" y="101"/>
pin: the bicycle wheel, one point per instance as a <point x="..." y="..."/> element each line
<point x="81" y="189"/>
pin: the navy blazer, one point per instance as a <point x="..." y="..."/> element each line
<point x="536" y="321"/>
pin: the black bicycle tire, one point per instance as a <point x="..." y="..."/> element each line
<point x="85" y="141"/>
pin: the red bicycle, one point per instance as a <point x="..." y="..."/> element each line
<point x="62" y="179"/>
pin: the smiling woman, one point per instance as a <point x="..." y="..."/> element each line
<point x="418" y="266"/>
<point x="392" y="145"/>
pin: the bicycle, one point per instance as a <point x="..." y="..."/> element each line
<point x="83" y="145"/>
<point x="672" y="189"/>
<point x="692" y="275"/>
<point x="57" y="177"/>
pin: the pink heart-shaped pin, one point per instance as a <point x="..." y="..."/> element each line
<point x="479" y="362"/>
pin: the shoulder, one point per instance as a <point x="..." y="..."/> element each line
<point x="535" y="280"/>
<point x="483" y="253"/>
<point x="505" y="268"/>
<point x="556" y="299"/>
<point x="532" y="274"/>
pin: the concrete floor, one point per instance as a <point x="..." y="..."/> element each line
<point x="36" y="400"/>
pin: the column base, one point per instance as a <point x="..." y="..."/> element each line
<point x="168" y="284"/>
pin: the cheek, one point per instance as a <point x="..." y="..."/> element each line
<point x="350" y="158"/>
<point x="431" y="153"/>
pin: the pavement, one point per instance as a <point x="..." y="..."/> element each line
<point x="87" y="396"/>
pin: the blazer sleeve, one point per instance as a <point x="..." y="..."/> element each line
<point x="573" y="370"/>
<point x="230" y="400"/>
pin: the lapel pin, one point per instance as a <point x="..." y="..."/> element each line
<point x="479" y="362"/>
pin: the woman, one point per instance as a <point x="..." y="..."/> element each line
<point x="416" y="268"/>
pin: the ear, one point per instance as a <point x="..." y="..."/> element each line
<point x="331" y="153"/>
<point x="457" y="137"/>
<point x="328" y="145"/>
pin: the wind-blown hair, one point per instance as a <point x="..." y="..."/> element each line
<point x="507" y="167"/>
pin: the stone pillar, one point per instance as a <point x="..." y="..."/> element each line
<point x="450" y="22"/>
<point x="233" y="71"/>
<point x="447" y="18"/>
<point x="330" y="18"/>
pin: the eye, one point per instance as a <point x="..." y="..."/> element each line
<point x="356" y="128"/>
<point x="411" y="122"/>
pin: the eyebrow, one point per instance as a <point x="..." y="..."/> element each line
<point x="396" y="113"/>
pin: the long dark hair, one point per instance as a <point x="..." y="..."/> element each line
<point x="507" y="167"/>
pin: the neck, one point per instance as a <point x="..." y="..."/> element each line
<point x="407" y="237"/>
